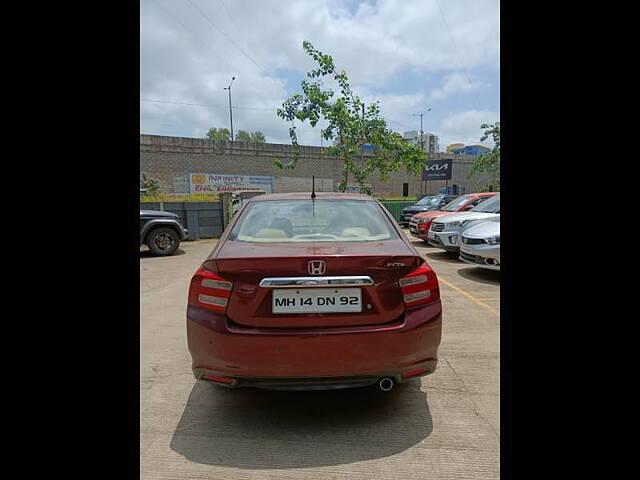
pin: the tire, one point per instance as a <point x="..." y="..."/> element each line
<point x="163" y="241"/>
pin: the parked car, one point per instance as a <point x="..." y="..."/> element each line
<point x="425" y="204"/>
<point x="420" y="222"/>
<point x="480" y="245"/>
<point x="162" y="232"/>
<point x="445" y="232"/>
<point x="313" y="294"/>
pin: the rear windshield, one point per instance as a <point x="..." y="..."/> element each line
<point x="313" y="221"/>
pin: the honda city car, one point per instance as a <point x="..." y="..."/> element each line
<point x="420" y="222"/>
<point x="313" y="293"/>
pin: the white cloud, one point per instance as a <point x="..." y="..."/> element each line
<point x="455" y="83"/>
<point x="186" y="59"/>
<point x="464" y="127"/>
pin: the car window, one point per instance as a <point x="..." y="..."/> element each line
<point x="457" y="203"/>
<point x="492" y="205"/>
<point x="313" y="221"/>
<point x="425" y="201"/>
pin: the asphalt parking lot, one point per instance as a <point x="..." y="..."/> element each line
<point x="446" y="427"/>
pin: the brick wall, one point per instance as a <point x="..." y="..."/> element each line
<point x="171" y="159"/>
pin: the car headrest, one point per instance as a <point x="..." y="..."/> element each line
<point x="357" y="231"/>
<point x="270" y="233"/>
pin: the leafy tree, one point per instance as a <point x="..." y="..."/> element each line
<point x="150" y="186"/>
<point x="243" y="136"/>
<point x="219" y="134"/>
<point x="489" y="163"/>
<point x="349" y="125"/>
<point x="257" y="137"/>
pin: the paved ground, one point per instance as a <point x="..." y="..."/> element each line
<point x="447" y="427"/>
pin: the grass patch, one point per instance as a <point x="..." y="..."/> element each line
<point x="399" y="199"/>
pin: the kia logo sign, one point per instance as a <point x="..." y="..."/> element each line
<point x="438" y="170"/>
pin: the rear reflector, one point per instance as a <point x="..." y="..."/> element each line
<point x="209" y="290"/>
<point x="413" y="373"/>
<point x="215" y="378"/>
<point x="420" y="287"/>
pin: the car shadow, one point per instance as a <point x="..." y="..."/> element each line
<point x="265" y="429"/>
<point x="482" y="275"/>
<point x="444" y="256"/>
<point x="148" y="254"/>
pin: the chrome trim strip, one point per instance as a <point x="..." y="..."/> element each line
<point x="315" y="282"/>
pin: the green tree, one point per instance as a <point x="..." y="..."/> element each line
<point x="149" y="186"/>
<point x="257" y="137"/>
<point x="243" y="136"/>
<point x="349" y="125"/>
<point x="219" y="134"/>
<point x="489" y="163"/>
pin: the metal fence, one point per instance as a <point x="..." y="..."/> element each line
<point x="202" y="219"/>
<point x="395" y="207"/>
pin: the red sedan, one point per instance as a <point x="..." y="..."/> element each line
<point x="323" y="293"/>
<point x="420" y="222"/>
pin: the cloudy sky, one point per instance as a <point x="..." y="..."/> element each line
<point x="410" y="55"/>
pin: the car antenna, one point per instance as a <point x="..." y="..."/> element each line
<point x="313" y="187"/>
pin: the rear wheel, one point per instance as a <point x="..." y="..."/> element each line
<point x="163" y="241"/>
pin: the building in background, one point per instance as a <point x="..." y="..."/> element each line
<point x="453" y="146"/>
<point x="430" y="140"/>
<point x="471" y="150"/>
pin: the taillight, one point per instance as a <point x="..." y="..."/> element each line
<point x="209" y="290"/>
<point x="420" y="287"/>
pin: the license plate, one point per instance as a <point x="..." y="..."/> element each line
<point x="317" y="300"/>
<point x="414" y="230"/>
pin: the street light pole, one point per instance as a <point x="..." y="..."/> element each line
<point x="422" y="143"/>
<point x="230" y="110"/>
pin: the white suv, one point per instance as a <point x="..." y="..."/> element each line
<point x="445" y="231"/>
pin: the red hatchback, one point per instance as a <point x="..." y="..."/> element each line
<point x="321" y="293"/>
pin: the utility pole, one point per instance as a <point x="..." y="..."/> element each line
<point x="230" y="110"/>
<point x="422" y="142"/>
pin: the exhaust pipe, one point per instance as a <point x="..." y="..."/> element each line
<point x="385" y="384"/>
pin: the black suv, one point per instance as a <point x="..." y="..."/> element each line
<point x="162" y="232"/>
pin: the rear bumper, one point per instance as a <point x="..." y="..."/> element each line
<point x="349" y="356"/>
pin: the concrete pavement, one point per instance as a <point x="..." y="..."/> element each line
<point x="445" y="427"/>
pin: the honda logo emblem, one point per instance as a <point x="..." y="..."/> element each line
<point x="316" y="267"/>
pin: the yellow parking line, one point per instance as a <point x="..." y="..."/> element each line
<point x="469" y="296"/>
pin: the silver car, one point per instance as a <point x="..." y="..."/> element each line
<point x="445" y="231"/>
<point x="480" y="245"/>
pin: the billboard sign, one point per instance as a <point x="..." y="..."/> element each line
<point x="438" y="170"/>
<point x="217" y="183"/>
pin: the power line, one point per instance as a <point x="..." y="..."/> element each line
<point x="204" y="105"/>
<point x="231" y="40"/>
<point x="455" y="46"/>
<point x="195" y="36"/>
<point x="247" y="108"/>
